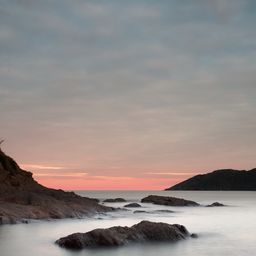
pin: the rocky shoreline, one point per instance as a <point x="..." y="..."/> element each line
<point x="22" y="199"/>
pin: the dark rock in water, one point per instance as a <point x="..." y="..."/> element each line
<point x="5" y="220"/>
<point x="133" y="205"/>
<point x="225" y="179"/>
<point x="22" y="198"/>
<point x="144" y="231"/>
<point x="170" y="201"/>
<point x="162" y="211"/>
<point x="154" y="212"/>
<point x="139" y="211"/>
<point x="215" y="204"/>
<point x="115" y="200"/>
<point x="194" y="235"/>
<point x="122" y="209"/>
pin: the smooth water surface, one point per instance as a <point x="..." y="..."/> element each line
<point x="227" y="231"/>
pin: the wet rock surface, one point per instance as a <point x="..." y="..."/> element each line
<point x="169" y="201"/>
<point x="144" y="231"/>
<point x="132" y="205"/>
<point x="215" y="204"/>
<point x="114" y="200"/>
<point x="140" y="211"/>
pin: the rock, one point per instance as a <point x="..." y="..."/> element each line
<point x="170" y="201"/>
<point x="194" y="235"/>
<point x="22" y="198"/>
<point x="162" y="211"/>
<point x="115" y="200"/>
<point x="133" y="205"/>
<point x="144" y="231"/>
<point x="215" y="204"/>
<point x="95" y="200"/>
<point x="6" y="220"/>
<point x="224" y="179"/>
<point x="154" y="212"/>
<point x="138" y="211"/>
<point x="122" y="209"/>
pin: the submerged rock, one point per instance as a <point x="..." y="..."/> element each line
<point x="144" y="231"/>
<point x="114" y="200"/>
<point x="140" y="211"/>
<point x="154" y="212"/>
<point x="166" y="200"/>
<point x="162" y="211"/>
<point x="215" y="204"/>
<point x="133" y="205"/>
<point x="194" y="235"/>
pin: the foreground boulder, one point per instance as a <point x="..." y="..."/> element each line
<point x="144" y="231"/>
<point x="22" y="198"/>
<point x="169" y="201"/>
<point x="114" y="200"/>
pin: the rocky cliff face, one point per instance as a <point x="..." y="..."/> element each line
<point x="225" y="179"/>
<point x="13" y="178"/>
<point x="21" y="197"/>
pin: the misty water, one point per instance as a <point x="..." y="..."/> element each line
<point x="225" y="231"/>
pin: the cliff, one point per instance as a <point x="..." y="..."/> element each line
<point x="22" y="198"/>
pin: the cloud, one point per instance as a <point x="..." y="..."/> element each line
<point x="139" y="85"/>
<point x="71" y="175"/>
<point x="111" y="178"/>
<point x="170" y="173"/>
<point x="41" y="167"/>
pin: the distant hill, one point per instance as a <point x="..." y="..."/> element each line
<point x="225" y="179"/>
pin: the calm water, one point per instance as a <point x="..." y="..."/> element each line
<point x="222" y="231"/>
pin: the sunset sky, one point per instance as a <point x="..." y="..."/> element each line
<point x="135" y="94"/>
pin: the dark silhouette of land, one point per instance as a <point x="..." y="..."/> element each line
<point x="22" y="198"/>
<point x="225" y="179"/>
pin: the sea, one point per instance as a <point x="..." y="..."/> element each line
<point x="222" y="231"/>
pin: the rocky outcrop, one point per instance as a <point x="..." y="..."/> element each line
<point x="215" y="204"/>
<point x="154" y="212"/>
<point x="21" y="197"/>
<point x="132" y="205"/>
<point x="166" y="200"/>
<point x="144" y="231"/>
<point x="225" y="179"/>
<point x="114" y="200"/>
<point x="140" y="211"/>
<point x="162" y="211"/>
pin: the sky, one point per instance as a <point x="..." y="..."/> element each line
<point x="136" y="94"/>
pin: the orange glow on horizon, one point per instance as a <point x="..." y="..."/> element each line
<point x="106" y="183"/>
<point x="68" y="178"/>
